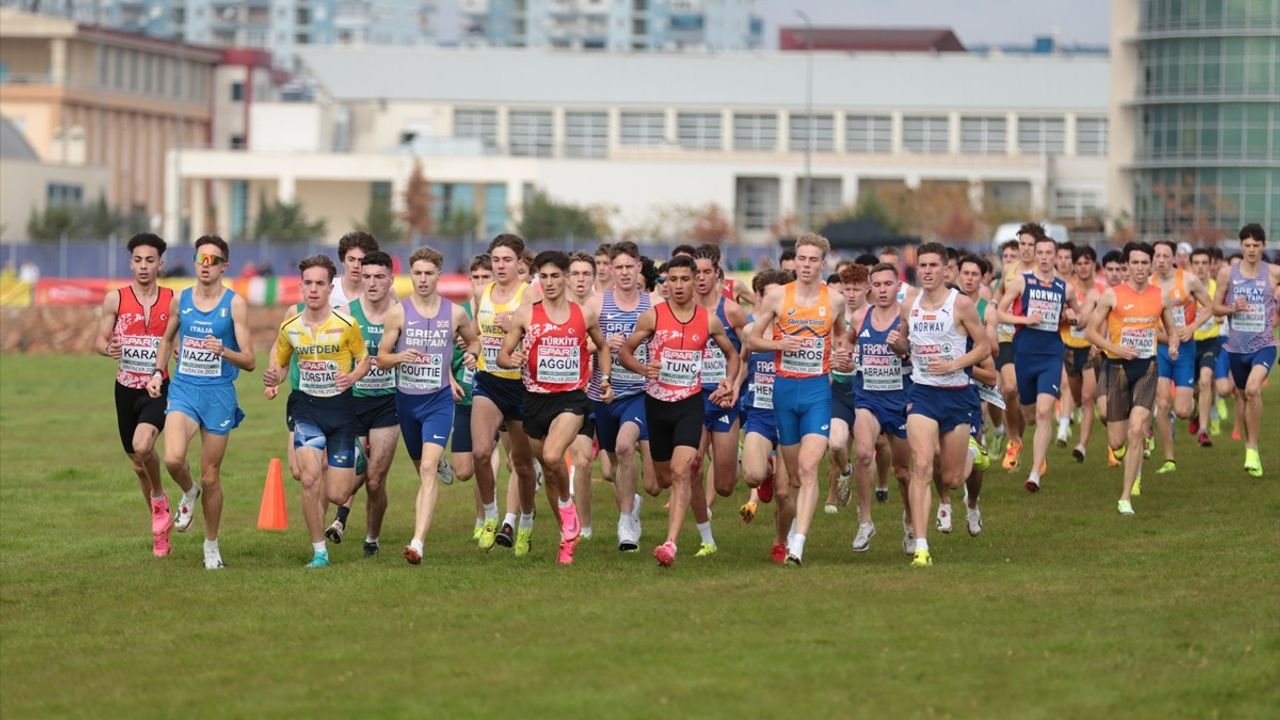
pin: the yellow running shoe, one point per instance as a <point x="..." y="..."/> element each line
<point x="922" y="559"/>
<point x="1215" y="427"/>
<point x="524" y="536"/>
<point x="707" y="550"/>
<point x="748" y="511"/>
<point x="1011" y="455"/>
<point x="1112" y="459"/>
<point x="981" y="460"/>
<point x="1168" y="467"/>
<point x="487" y="534"/>
<point x="1252" y="462"/>
<point x="1137" y="486"/>
<point x="475" y="534"/>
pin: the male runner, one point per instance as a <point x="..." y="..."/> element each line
<point x="208" y="326"/>
<point x="580" y="288"/>
<point x="499" y="394"/>
<point x="352" y="248"/>
<point x="1124" y="326"/>
<point x="620" y="425"/>
<point x="805" y="314"/>
<point x="603" y="279"/>
<point x="985" y="380"/>
<point x="1208" y="347"/>
<point x="332" y="357"/>
<point x="853" y="282"/>
<point x="461" y="461"/>
<point x="1250" y="294"/>
<point x="133" y="320"/>
<point x="678" y="331"/>
<point x="1082" y="375"/>
<point x="1036" y="303"/>
<point x="1175" y="386"/>
<point x="1023" y="261"/>
<point x="420" y="335"/>
<point x="551" y="336"/>
<point x="937" y="328"/>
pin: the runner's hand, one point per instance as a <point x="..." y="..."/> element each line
<point x="844" y="360"/>
<point x="1034" y="318"/>
<point x="652" y="369"/>
<point x="1069" y="315"/>
<point x="270" y="392"/>
<point x="342" y="380"/>
<point x="607" y="395"/>
<point x="153" y="385"/>
<point x="503" y="320"/>
<point x="213" y="344"/>
<point x="941" y="367"/>
<point x="615" y="343"/>
<point x="1240" y="305"/>
<point x="469" y="361"/>
<point x="457" y="389"/>
<point x="411" y="356"/>
<point x="1185" y="332"/>
<point x="893" y="337"/>
<point x="1173" y="353"/>
<point x="271" y="377"/>
<point x="790" y="343"/>
<point x="517" y="359"/>
<point x="113" y="348"/>
<point x="1126" y="353"/>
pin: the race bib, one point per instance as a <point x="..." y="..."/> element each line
<point x="1050" y="312"/>
<point x="623" y="376"/>
<point x="138" y="353"/>
<point x="881" y="373"/>
<point x="1179" y="313"/>
<point x="989" y="394"/>
<point x="490" y="345"/>
<point x="195" y="360"/>
<point x="715" y="367"/>
<point x="1077" y="333"/>
<point x="807" y="360"/>
<point x="468" y="376"/>
<point x="1142" y="340"/>
<point x="762" y="391"/>
<point x="318" y="378"/>
<point x="681" y="368"/>
<point x="558" y="365"/>
<point x="1252" y="319"/>
<point x="424" y="376"/>
<point x="1004" y="332"/>
<point x="377" y="379"/>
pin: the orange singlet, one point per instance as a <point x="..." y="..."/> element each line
<point x="812" y="324"/>
<point x="1134" y="319"/>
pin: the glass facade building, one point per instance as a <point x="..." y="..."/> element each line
<point x="1207" y="115"/>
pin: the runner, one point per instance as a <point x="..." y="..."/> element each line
<point x="461" y="461"/>
<point x="1129" y="314"/>
<point x="880" y="401"/>
<point x="418" y="341"/>
<point x="986" y="381"/>
<point x="332" y="357"/>
<point x="352" y="248"/>
<point x="853" y="284"/>
<point x="1115" y="271"/>
<point x="134" y="319"/>
<point x="805" y="313"/>
<point x="1175" y="386"/>
<point x="1208" y="347"/>
<point x="937" y="327"/>
<point x="208" y="326"/>
<point x="1250" y="294"/>
<point x="1068" y="402"/>
<point x="581" y="290"/>
<point x="603" y="279"/>
<point x="1079" y="360"/>
<point x="1036" y="303"/>
<point x="620" y="425"/>
<point x="674" y="407"/>
<point x="1022" y="261"/>
<point x="499" y="394"/>
<point x="548" y="342"/>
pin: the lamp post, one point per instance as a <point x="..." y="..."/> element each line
<point x="808" y="102"/>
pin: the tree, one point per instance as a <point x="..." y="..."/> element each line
<point x="459" y="223"/>
<point x="55" y="222"/>
<point x="284" y="222"/>
<point x="417" y="203"/>
<point x="381" y="223"/>
<point x="711" y="225"/>
<point x="546" y="219"/>
<point x="870" y="206"/>
<point x="1194" y="213"/>
<point x="99" y="222"/>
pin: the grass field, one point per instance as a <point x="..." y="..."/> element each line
<point x="1060" y="609"/>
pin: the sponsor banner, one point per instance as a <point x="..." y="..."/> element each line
<point x="264" y="291"/>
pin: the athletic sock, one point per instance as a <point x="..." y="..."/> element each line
<point x="211" y="546"/>
<point x="796" y="546"/>
<point x="479" y="522"/>
<point x="704" y="529"/>
<point x="1064" y="422"/>
<point x="190" y="495"/>
<point x="526" y="521"/>
<point x="1034" y="478"/>
<point x="491" y="510"/>
<point x="922" y="544"/>
<point x="416" y="545"/>
<point x="319" y="547"/>
<point x="343" y="512"/>
<point x="998" y="430"/>
<point x="565" y="503"/>
<point x="509" y="519"/>
<point x="370" y="540"/>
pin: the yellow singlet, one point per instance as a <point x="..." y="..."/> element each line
<point x="491" y="335"/>
<point x="336" y="346"/>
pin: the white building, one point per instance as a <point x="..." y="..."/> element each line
<point x="640" y="132"/>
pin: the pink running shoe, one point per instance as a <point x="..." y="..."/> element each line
<point x="160" y="527"/>
<point x="665" y="554"/>
<point x="569" y="527"/>
<point x="566" y="551"/>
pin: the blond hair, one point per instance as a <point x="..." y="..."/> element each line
<point x="815" y="240"/>
<point x="427" y="254"/>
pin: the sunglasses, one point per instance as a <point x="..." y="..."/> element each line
<point x="209" y="259"/>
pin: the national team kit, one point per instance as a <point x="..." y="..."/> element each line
<point x="663" y="375"/>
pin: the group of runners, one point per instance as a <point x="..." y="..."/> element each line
<point x="682" y="380"/>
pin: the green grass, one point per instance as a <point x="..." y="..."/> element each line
<point x="1061" y="608"/>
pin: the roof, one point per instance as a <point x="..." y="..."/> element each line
<point x="743" y="79"/>
<point x="870" y="39"/>
<point x="13" y="144"/>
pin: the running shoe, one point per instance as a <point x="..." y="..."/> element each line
<point x="748" y="511"/>
<point x="921" y="558"/>
<point x="1193" y="426"/>
<point x="444" y="471"/>
<point x="993" y="443"/>
<point x="1137" y="486"/>
<point x="1168" y="467"/>
<point x="862" y="541"/>
<point x="778" y="553"/>
<point x="793" y="561"/>
<point x="882" y="494"/>
<point x="973" y="517"/>
<point x="1064" y="435"/>
<point x="160" y="545"/>
<point x="537" y="476"/>
<point x="1150" y="446"/>
<point x="371" y="548"/>
<point x="186" y="512"/>
<point x="565" y="556"/>
<point x="412" y="555"/>
<point x="765" y="491"/>
<point x="981" y="460"/>
<point x="1125" y="508"/>
<point x="335" y="532"/>
<point x="665" y="554"/>
<point x="488" y="534"/>
<point x="318" y="561"/>
<point x="160" y="525"/>
<point x="844" y="486"/>
<point x="1204" y="440"/>
<point x="1223" y="412"/>
<point x="1252" y="462"/>
<point x="944" y="518"/>
<point x="1011" y="455"/>
<point x="830" y="509"/>
<point x="908" y="541"/>
<point x="570" y="528"/>
<point x="1215" y="427"/>
<point x="524" y="541"/>
<point x="627" y="540"/>
<point x="1114" y="459"/>
<point x="1235" y="434"/>
<point x="213" y="561"/>
<point x="1078" y="453"/>
<point x="707" y="550"/>
<point x="1032" y="484"/>
<point x="506" y="536"/>
<point x="475" y="533"/>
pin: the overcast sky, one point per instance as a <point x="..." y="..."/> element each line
<point x="976" y="22"/>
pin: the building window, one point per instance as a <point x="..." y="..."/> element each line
<point x="1076" y="204"/>
<point x="530" y="134"/>
<point x="1041" y="135"/>
<point x="237" y="142"/>
<point x="924" y="134"/>
<point x="63" y="194"/>
<point x="1091" y="136"/>
<point x="644" y="128"/>
<point x="824" y="202"/>
<point x="698" y="131"/>
<point x="755" y="132"/>
<point x="237" y="92"/>
<point x="982" y="135"/>
<point x="478" y="124"/>
<point x="823" y="133"/>
<point x="868" y="134"/>
<point x="586" y="134"/>
<point x="380" y="193"/>
<point x="756" y="202"/>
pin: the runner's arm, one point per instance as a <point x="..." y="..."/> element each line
<point x="985" y="372"/>
<point x="604" y="358"/>
<point x="1094" y="330"/>
<point x="515" y="334"/>
<point x="104" y="343"/>
<point x="1220" y="306"/>
<point x="1004" y="311"/>
<point x="733" y="364"/>
<point x="359" y="353"/>
<point x="1170" y="330"/>
<point x="1201" y="295"/>
<point x="170" y="335"/>
<point x="756" y="341"/>
<point x="627" y="354"/>
<point x="738" y="318"/>
<point x="967" y="315"/>
<point x="387" y="358"/>
<point x="900" y="339"/>
<point x="470" y="338"/>
<point x="242" y="358"/>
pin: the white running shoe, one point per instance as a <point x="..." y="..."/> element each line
<point x="444" y="471"/>
<point x="974" y="517"/>
<point x="1064" y="435"/>
<point x="186" y="512"/>
<point x="862" y="542"/>
<point x="844" y="486"/>
<point x="830" y="509"/>
<point x="944" y="517"/>
<point x="213" y="560"/>
<point x="628" y="538"/>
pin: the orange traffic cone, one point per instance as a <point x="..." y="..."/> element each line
<point x="272" y="515"/>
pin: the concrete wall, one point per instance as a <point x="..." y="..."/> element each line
<point x="24" y="185"/>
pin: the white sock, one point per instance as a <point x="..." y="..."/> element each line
<point x="1063" y="422"/>
<point x="922" y="544"/>
<point x="371" y="539"/>
<point x="479" y="522"/>
<point x="319" y="547"/>
<point x="796" y="545"/>
<point x="565" y="503"/>
<point x="509" y="519"/>
<point x="526" y="521"/>
<point x="586" y="532"/>
<point x="416" y="545"/>
<point x="704" y="529"/>
<point x="1034" y="478"/>
<point x="211" y="546"/>
<point x="491" y="510"/>
<point x="998" y="430"/>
